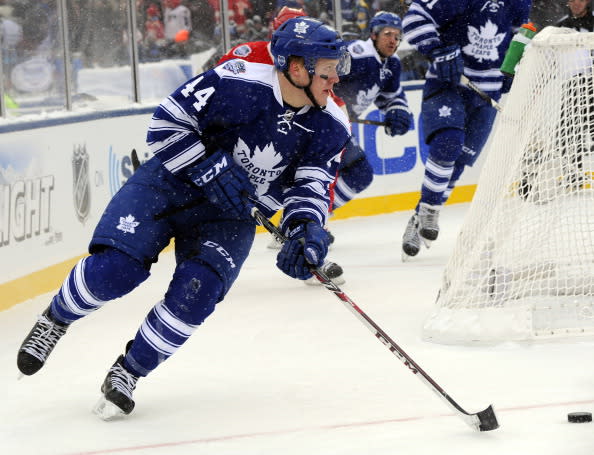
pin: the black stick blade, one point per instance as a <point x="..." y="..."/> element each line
<point x="487" y="420"/>
<point x="135" y="160"/>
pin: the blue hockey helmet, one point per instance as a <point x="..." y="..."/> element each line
<point x="311" y="39"/>
<point x="384" y="19"/>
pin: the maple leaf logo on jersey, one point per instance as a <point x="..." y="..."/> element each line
<point x="483" y="43"/>
<point x="365" y="98"/>
<point x="261" y="164"/>
<point x="128" y="224"/>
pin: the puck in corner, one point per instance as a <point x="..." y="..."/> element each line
<point x="579" y="417"/>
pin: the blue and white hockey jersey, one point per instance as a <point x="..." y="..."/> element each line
<point x="291" y="155"/>
<point x="482" y="28"/>
<point x="371" y="80"/>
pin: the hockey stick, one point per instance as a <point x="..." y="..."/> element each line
<point x="485" y="420"/>
<point x="135" y="160"/>
<point x="366" y="122"/>
<point x="465" y="81"/>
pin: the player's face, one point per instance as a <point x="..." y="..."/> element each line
<point x="387" y="41"/>
<point x="323" y="80"/>
<point x="578" y="7"/>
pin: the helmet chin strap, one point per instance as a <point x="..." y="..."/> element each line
<point x="305" y="88"/>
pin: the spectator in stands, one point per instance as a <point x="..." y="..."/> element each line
<point x="153" y="41"/>
<point x="203" y="19"/>
<point x="256" y="31"/>
<point x="579" y="16"/>
<point x="239" y="11"/>
<point x="11" y="35"/>
<point x="177" y="17"/>
<point x="363" y="13"/>
<point x="546" y="12"/>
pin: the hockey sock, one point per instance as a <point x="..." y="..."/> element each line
<point x="444" y="149"/>
<point x="458" y="169"/>
<point x="95" y="280"/>
<point x="352" y="180"/>
<point x="191" y="298"/>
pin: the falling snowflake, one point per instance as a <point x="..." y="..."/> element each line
<point x="445" y="111"/>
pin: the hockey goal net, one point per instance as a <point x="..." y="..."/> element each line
<point x="523" y="264"/>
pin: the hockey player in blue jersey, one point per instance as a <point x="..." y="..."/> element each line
<point x="467" y="37"/>
<point x="374" y="78"/>
<point x="240" y="135"/>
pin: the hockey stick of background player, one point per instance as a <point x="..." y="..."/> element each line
<point x="135" y="160"/>
<point x="465" y="81"/>
<point x="366" y="122"/>
<point x="485" y="420"/>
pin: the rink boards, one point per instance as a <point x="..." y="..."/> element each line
<point x="57" y="173"/>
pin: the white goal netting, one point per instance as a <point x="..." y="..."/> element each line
<point x="523" y="264"/>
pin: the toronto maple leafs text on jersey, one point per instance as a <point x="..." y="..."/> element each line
<point x="482" y="28"/>
<point x="371" y="80"/>
<point x="290" y="154"/>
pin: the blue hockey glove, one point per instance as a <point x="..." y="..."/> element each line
<point x="224" y="183"/>
<point x="397" y="122"/>
<point x="306" y="247"/>
<point x="448" y="63"/>
<point x="507" y="83"/>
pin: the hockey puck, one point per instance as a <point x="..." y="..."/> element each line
<point x="579" y="417"/>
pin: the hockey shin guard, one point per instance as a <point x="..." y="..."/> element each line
<point x="191" y="298"/>
<point x="95" y="280"/>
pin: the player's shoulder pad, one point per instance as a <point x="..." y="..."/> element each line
<point x="361" y="49"/>
<point x="249" y="71"/>
<point x="337" y="113"/>
<point x="235" y="66"/>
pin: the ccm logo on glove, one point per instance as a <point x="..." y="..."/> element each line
<point x="447" y="57"/>
<point x="212" y="172"/>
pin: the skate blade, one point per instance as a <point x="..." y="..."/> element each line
<point x="426" y="242"/>
<point x="107" y="411"/>
<point x="405" y="257"/>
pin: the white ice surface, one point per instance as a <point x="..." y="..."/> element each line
<point x="284" y="368"/>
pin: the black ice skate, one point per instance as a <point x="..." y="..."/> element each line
<point x="411" y="241"/>
<point x="428" y="222"/>
<point x="40" y="342"/>
<point x="117" y="392"/>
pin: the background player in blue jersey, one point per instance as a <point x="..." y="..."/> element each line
<point x="374" y="78"/>
<point x="467" y="37"/>
<point x="239" y="135"/>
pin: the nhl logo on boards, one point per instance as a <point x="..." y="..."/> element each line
<point x="81" y="183"/>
